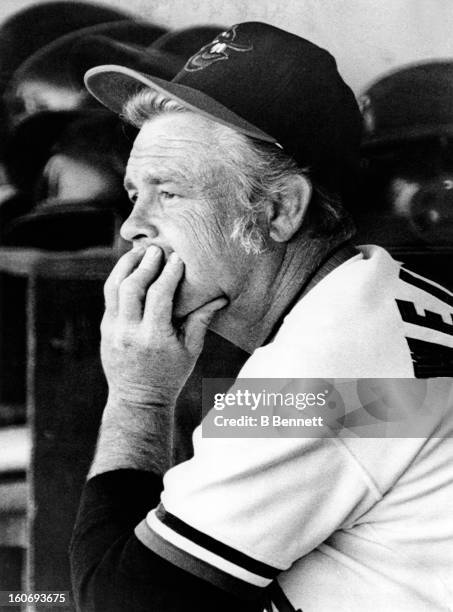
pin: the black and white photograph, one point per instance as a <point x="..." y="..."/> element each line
<point x="226" y="305"/>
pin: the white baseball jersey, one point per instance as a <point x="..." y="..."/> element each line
<point x="346" y="524"/>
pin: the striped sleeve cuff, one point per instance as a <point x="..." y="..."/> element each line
<point x="204" y="556"/>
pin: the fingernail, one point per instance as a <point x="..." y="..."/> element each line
<point x="219" y="304"/>
<point x="138" y="249"/>
<point x="174" y="258"/>
<point x="152" y="252"/>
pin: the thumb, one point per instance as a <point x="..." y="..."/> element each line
<point x="198" y="322"/>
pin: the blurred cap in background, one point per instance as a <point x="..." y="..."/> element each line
<point x="94" y="139"/>
<point x="68" y="168"/>
<point x="35" y="26"/>
<point x="407" y="104"/>
<point x="79" y="225"/>
<point x="45" y="80"/>
<point x="407" y="157"/>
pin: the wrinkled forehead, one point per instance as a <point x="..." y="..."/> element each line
<point x="180" y="142"/>
<point x="178" y="132"/>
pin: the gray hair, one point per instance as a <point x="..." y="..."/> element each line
<point x="261" y="172"/>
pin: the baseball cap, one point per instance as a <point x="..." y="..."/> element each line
<point x="88" y="133"/>
<point x="50" y="67"/>
<point x="37" y="25"/>
<point x="267" y="83"/>
<point x="27" y="30"/>
<point x="58" y="226"/>
<point x="410" y="103"/>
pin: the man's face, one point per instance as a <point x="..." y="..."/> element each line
<point x="177" y="179"/>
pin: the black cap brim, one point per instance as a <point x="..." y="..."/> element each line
<point x="64" y="226"/>
<point x="114" y="85"/>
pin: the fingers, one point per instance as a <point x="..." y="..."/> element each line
<point x="123" y="268"/>
<point x="139" y="290"/>
<point x="159" y="300"/>
<point x="133" y="289"/>
<point x="198" y="322"/>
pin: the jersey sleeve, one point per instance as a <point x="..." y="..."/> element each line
<point x="243" y="510"/>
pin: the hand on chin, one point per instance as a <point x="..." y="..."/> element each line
<point x="187" y="300"/>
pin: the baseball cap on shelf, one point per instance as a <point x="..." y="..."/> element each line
<point x="31" y="28"/>
<point x="94" y="135"/>
<point x="45" y="80"/>
<point x="67" y="226"/>
<point x="27" y="30"/>
<point x="68" y="169"/>
<point x="163" y="58"/>
<point x="267" y="83"/>
<point x="410" y="103"/>
<point x="187" y="41"/>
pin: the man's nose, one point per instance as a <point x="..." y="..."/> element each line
<point x="138" y="228"/>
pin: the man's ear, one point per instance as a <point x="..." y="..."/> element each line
<point x="287" y="213"/>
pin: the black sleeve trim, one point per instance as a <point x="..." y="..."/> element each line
<point x="214" y="546"/>
<point x="195" y="565"/>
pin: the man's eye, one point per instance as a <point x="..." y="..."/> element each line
<point x="167" y="195"/>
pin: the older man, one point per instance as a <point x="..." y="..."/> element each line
<point x="236" y="180"/>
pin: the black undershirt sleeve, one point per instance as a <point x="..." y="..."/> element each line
<point x="112" y="571"/>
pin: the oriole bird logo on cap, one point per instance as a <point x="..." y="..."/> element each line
<point x="217" y="50"/>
